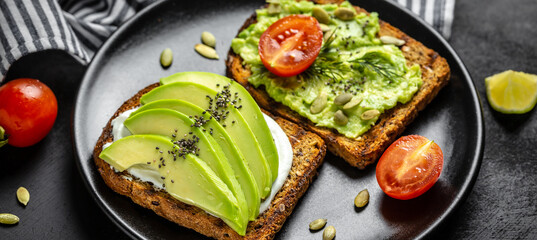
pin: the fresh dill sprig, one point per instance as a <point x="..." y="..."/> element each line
<point x="328" y="41"/>
<point x="324" y="67"/>
<point x="376" y="63"/>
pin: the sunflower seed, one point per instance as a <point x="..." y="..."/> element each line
<point x="321" y="15"/>
<point x="362" y="198"/>
<point x="344" y="14"/>
<point x="208" y="39"/>
<point x="352" y="103"/>
<point x="206" y="51"/>
<point x="319" y="103"/>
<point x="8" y="218"/>
<point x="166" y="58"/>
<point x="318" y="224"/>
<point x="370" y="114"/>
<point x="392" y="40"/>
<point x="329" y="233"/>
<point x="341" y="99"/>
<point x="340" y="118"/>
<point x="23" y="195"/>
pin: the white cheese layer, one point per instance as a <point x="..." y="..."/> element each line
<point x="285" y="157"/>
<point x="283" y="146"/>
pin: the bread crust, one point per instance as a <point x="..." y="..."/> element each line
<point x="366" y="149"/>
<point x="308" y="154"/>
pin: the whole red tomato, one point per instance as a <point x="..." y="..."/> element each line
<point x="28" y="109"/>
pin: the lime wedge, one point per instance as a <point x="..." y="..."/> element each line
<point x="512" y="92"/>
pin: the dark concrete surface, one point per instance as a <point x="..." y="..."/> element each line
<point x="489" y="36"/>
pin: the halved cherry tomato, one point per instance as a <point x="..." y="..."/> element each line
<point x="409" y="167"/>
<point x="28" y="109"/>
<point x="290" y="45"/>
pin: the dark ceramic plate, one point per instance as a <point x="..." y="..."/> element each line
<point x="128" y="62"/>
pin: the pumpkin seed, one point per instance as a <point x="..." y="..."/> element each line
<point x="2" y="140"/>
<point x="274" y="8"/>
<point x="321" y="15"/>
<point x="319" y="103"/>
<point x="23" y="195"/>
<point x="206" y="51"/>
<point x="352" y="103"/>
<point x="341" y="99"/>
<point x="8" y="218"/>
<point x="166" y="58"/>
<point x="208" y="39"/>
<point x="370" y="114"/>
<point x="340" y="118"/>
<point x="328" y="34"/>
<point x="324" y="27"/>
<point x="344" y="14"/>
<point x="392" y="40"/>
<point x="362" y="198"/>
<point x="329" y="233"/>
<point x="318" y="224"/>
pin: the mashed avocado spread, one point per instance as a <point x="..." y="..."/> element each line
<point x="352" y="60"/>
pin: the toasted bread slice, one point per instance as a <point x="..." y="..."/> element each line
<point x="308" y="154"/>
<point x="366" y="149"/>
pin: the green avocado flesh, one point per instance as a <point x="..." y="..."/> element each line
<point x="194" y="182"/>
<point x="228" y="145"/>
<point x="355" y="61"/>
<point x="178" y="126"/>
<point x="248" y="105"/>
<point x="235" y="125"/>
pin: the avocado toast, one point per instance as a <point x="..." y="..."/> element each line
<point x="308" y="153"/>
<point x="366" y="148"/>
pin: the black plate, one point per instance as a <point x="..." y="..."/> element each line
<point x="128" y="61"/>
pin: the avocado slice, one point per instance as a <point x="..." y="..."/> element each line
<point x="165" y="122"/>
<point x="254" y="117"/>
<point x="197" y="95"/>
<point x="193" y="180"/>
<point x="228" y="144"/>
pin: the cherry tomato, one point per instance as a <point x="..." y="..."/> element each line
<point x="290" y="45"/>
<point x="409" y="167"/>
<point x="28" y="109"/>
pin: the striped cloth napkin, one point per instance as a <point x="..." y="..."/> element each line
<point x="81" y="26"/>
